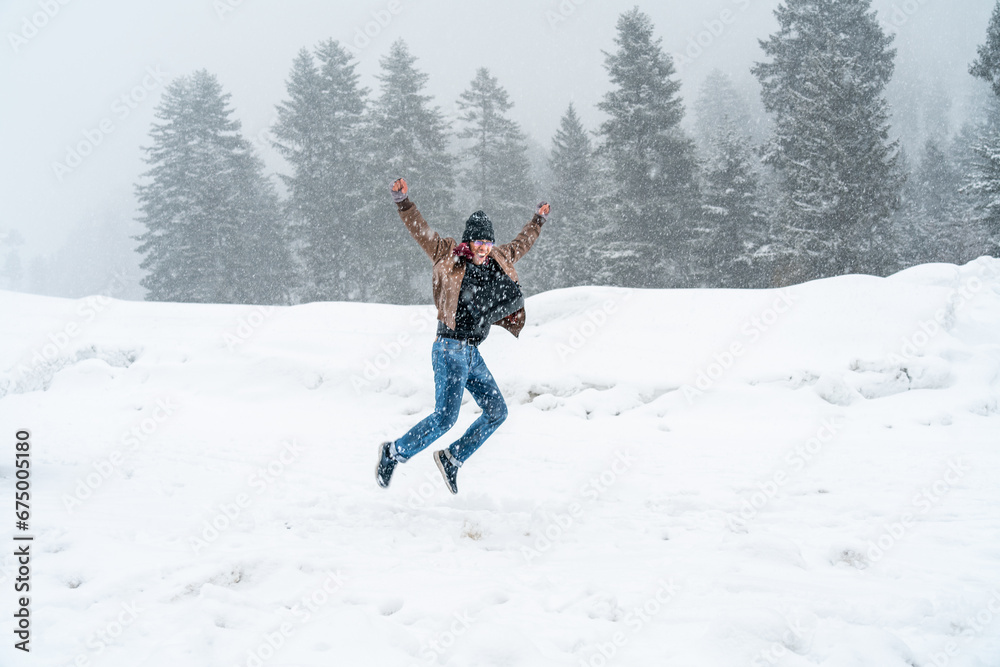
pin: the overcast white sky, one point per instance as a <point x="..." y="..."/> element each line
<point x="69" y="75"/>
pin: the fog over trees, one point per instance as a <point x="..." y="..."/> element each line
<point x="807" y="161"/>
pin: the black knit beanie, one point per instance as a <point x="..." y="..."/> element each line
<point x="478" y="228"/>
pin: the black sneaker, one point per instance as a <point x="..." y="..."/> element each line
<point x="448" y="469"/>
<point x="386" y="464"/>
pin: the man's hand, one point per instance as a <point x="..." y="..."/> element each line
<point x="543" y="211"/>
<point x="399" y="190"/>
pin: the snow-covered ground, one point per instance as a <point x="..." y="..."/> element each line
<point x="792" y="477"/>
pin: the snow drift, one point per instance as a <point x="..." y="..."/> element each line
<point x="803" y="476"/>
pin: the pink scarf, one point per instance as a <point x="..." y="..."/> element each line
<point x="463" y="250"/>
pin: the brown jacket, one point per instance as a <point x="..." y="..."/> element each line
<point x="449" y="270"/>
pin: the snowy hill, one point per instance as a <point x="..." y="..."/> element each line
<point x="715" y="478"/>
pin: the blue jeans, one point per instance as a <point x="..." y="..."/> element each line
<point x="457" y="366"/>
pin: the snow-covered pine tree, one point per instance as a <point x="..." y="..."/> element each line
<point x="967" y="229"/>
<point x="924" y="225"/>
<point x="983" y="182"/>
<point x="732" y="249"/>
<point x="495" y="170"/>
<point x="651" y="160"/>
<point x="213" y="227"/>
<point x="935" y="180"/>
<point x="824" y="85"/>
<point x="933" y="219"/>
<point x="569" y="241"/>
<point x="409" y="138"/>
<point x="11" y="271"/>
<point x="987" y="64"/>
<point x="319" y="133"/>
<point x="719" y="105"/>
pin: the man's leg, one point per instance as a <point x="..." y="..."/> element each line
<point x="450" y="361"/>
<point x="484" y="389"/>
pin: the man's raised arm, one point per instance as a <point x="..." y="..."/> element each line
<point x="431" y="242"/>
<point x="529" y="234"/>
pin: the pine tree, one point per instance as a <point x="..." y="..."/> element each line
<point x="983" y="184"/>
<point x="12" y="271"/>
<point x="213" y="230"/>
<point x="652" y="162"/>
<point x="733" y="249"/>
<point x="984" y="181"/>
<point x="319" y="133"/>
<point x="496" y="168"/>
<point x="824" y="86"/>
<point x="569" y="240"/>
<point x="987" y="65"/>
<point x="935" y="192"/>
<point x="967" y="230"/>
<point x="718" y="108"/>
<point x="409" y="139"/>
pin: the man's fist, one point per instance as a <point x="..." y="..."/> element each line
<point x="543" y="210"/>
<point x="399" y="190"/>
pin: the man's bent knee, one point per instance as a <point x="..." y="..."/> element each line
<point x="498" y="412"/>
<point x="445" y="418"/>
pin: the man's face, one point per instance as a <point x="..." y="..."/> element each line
<point x="480" y="251"/>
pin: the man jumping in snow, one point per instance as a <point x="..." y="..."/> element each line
<point x="475" y="285"/>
